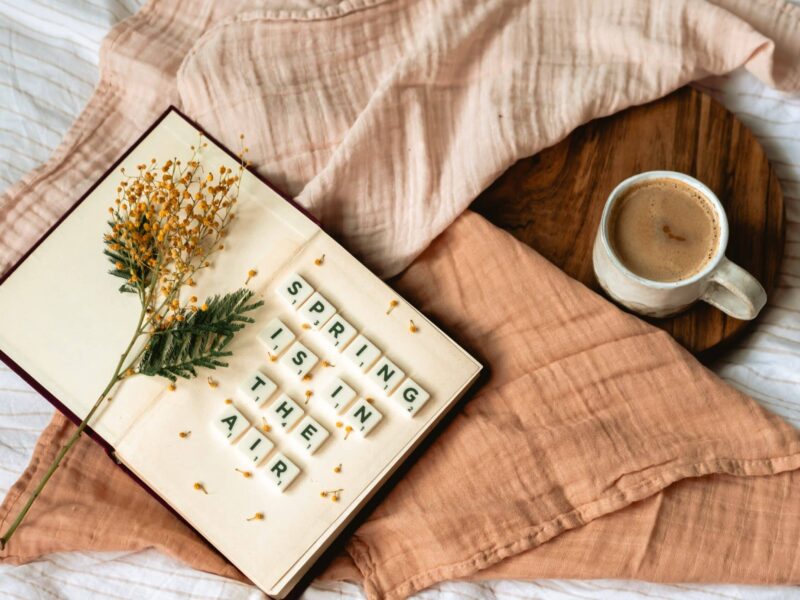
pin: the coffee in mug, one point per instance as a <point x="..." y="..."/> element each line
<point x="664" y="230"/>
<point x="661" y="246"/>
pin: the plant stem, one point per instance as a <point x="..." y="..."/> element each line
<point x="119" y="374"/>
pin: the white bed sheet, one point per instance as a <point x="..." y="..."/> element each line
<point x="48" y="67"/>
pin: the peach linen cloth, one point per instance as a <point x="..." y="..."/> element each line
<point x="595" y="433"/>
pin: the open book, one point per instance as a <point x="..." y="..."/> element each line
<point x="325" y="396"/>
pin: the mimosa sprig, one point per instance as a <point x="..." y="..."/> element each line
<point x="166" y="224"/>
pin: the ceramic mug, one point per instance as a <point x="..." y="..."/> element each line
<point x="721" y="283"/>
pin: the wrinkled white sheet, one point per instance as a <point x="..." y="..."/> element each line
<point x="48" y="67"/>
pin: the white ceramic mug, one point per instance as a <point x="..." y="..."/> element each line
<point x="721" y="282"/>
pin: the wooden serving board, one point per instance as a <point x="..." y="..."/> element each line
<point x="552" y="201"/>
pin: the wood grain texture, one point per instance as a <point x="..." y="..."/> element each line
<point x="552" y="201"/>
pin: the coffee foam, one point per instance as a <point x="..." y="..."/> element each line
<point x="664" y="229"/>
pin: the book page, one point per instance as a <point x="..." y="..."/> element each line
<point x="63" y="320"/>
<point x="298" y="522"/>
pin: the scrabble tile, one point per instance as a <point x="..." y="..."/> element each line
<point x="258" y="387"/>
<point x="362" y="352"/>
<point x="338" y="332"/>
<point x="410" y="396"/>
<point x="299" y="359"/>
<point x="310" y="434"/>
<point x="386" y="375"/>
<point x="338" y="394"/>
<point x="281" y="471"/>
<point x="295" y="290"/>
<point x="255" y="445"/>
<point x="362" y="416"/>
<point x="317" y="310"/>
<point x="231" y="423"/>
<point x="277" y="336"/>
<point x="285" y="411"/>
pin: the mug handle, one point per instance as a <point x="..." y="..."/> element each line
<point x="734" y="291"/>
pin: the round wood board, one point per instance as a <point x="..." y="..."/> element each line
<point x="552" y="201"/>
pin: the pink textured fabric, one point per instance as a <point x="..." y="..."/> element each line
<point x="386" y="118"/>
<point x="449" y="94"/>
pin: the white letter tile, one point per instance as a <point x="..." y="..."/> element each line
<point x="299" y="359"/>
<point x="258" y="387"/>
<point x="338" y="332"/>
<point x="255" y="445"/>
<point x="337" y="394"/>
<point x="363" y="417"/>
<point x="386" y="375"/>
<point x="281" y="471"/>
<point x="277" y="336"/>
<point x="285" y="411"/>
<point x="295" y="290"/>
<point x="317" y="310"/>
<point x="310" y="434"/>
<point x="362" y="353"/>
<point x="231" y="423"/>
<point x="410" y="396"/>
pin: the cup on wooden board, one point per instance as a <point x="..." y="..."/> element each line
<point x="718" y="281"/>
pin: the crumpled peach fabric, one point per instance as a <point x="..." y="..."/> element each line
<point x="387" y="117"/>
<point x="596" y="433"/>
<point x="588" y="411"/>
<point x="597" y="448"/>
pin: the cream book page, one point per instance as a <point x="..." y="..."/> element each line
<point x="299" y="522"/>
<point x="62" y="318"/>
<point x="67" y="329"/>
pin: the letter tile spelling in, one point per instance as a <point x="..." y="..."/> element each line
<point x="363" y="417"/>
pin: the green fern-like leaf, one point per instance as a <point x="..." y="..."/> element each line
<point x="201" y="340"/>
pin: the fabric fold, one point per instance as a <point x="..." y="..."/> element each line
<point x="588" y="410"/>
<point x="698" y="530"/>
<point x="450" y="94"/>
